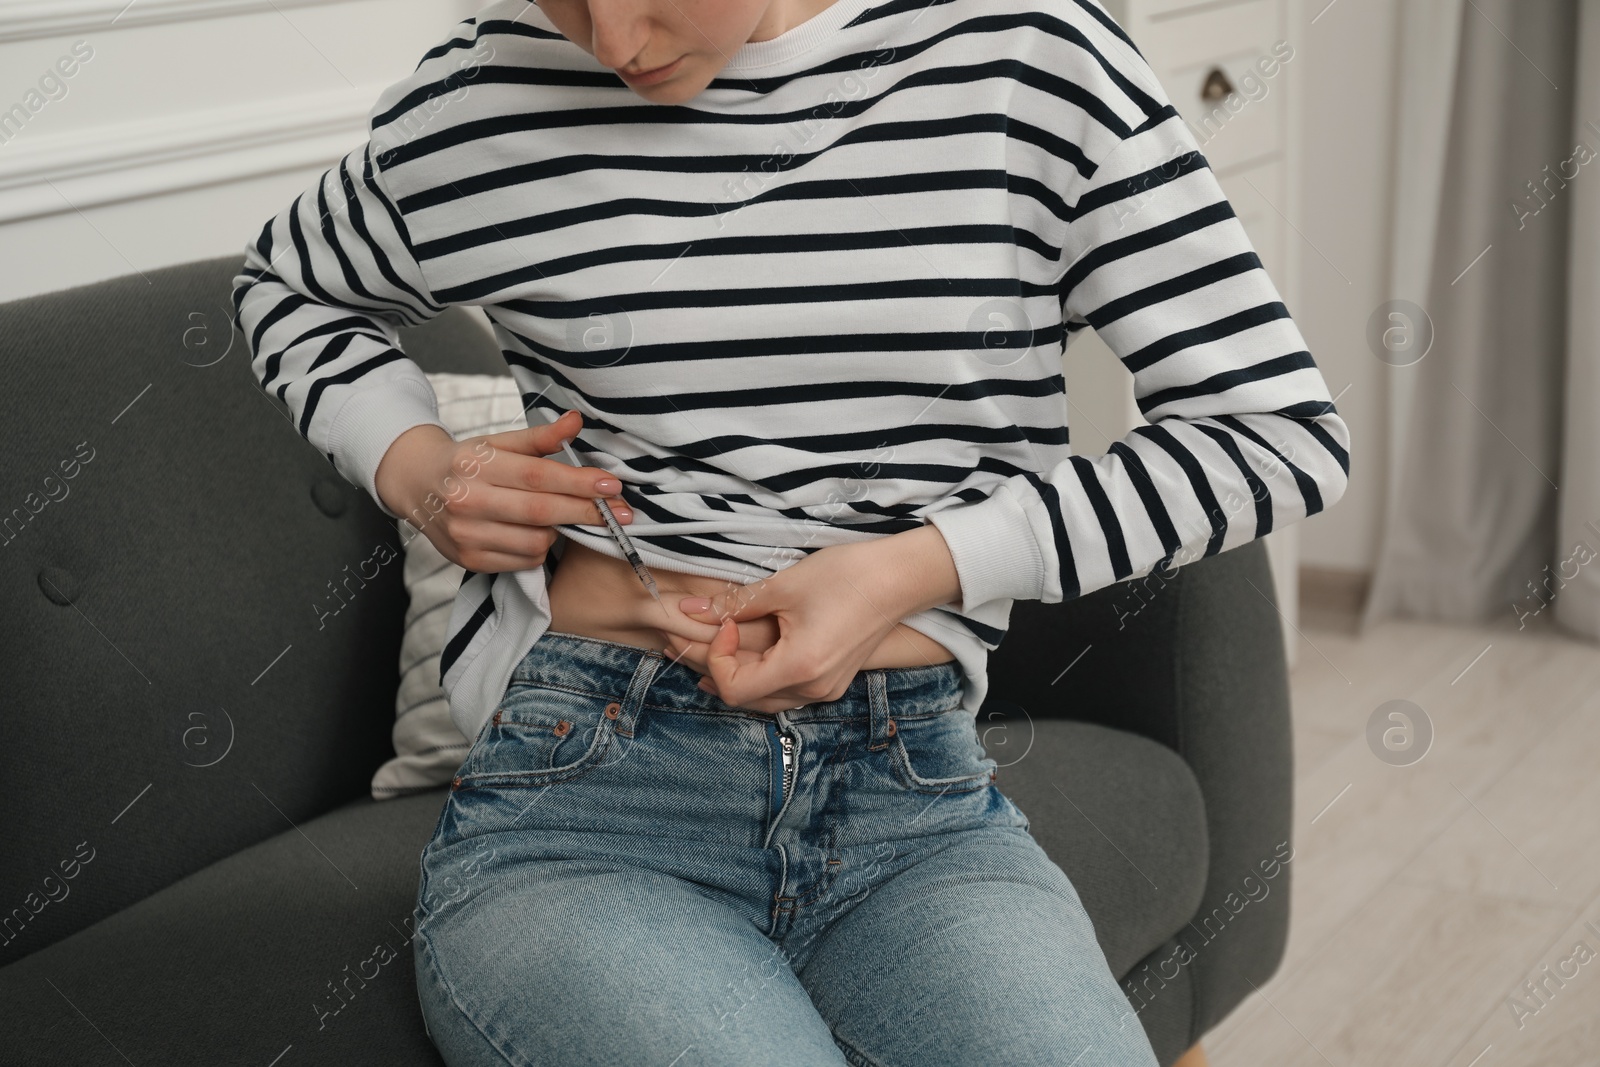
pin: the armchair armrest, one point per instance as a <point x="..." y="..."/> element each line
<point x="1194" y="660"/>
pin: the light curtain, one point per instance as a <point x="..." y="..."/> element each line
<point x="1493" y="487"/>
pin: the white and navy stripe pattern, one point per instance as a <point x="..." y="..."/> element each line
<point x="823" y="301"/>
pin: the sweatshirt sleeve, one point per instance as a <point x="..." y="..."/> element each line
<point x="1242" y="436"/>
<point x="319" y="299"/>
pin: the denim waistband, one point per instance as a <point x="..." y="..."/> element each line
<point x="609" y="668"/>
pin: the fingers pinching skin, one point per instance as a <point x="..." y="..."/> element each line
<point x="689" y="649"/>
<point x="730" y="671"/>
<point x="737" y="676"/>
<point x="720" y="658"/>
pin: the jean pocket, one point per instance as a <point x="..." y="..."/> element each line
<point x="939" y="753"/>
<point x="540" y="735"/>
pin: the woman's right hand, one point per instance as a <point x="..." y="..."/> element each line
<point x="490" y="503"/>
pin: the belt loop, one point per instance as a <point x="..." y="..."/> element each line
<point x="878" y="734"/>
<point x="644" y="672"/>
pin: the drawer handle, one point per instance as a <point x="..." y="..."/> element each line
<point x="1216" y="86"/>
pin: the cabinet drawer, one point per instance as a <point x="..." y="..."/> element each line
<point x="1238" y="129"/>
<point x="1190" y="37"/>
<point x="1164" y="8"/>
<point x="1238" y="40"/>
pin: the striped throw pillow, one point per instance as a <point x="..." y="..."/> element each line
<point x="428" y="747"/>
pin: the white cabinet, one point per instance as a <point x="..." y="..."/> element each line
<point x="1227" y="68"/>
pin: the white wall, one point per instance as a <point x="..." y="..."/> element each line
<point x="188" y="125"/>
<point x="1347" y="87"/>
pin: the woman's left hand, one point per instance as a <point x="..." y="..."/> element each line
<point x="833" y="609"/>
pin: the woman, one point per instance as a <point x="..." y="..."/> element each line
<point x="796" y="276"/>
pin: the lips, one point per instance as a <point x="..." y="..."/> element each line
<point x="654" y="74"/>
<point x="649" y="70"/>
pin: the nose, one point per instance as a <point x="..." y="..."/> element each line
<point x="618" y="33"/>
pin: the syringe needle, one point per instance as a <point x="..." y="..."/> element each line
<point x="620" y="535"/>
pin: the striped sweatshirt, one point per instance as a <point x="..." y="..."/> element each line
<point x="825" y="300"/>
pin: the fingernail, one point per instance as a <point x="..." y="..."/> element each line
<point x="608" y="486"/>
<point x="692" y="605"/>
<point x="623" y="514"/>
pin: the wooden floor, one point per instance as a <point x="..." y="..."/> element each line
<point x="1426" y="898"/>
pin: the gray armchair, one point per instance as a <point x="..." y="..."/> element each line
<point x="194" y="872"/>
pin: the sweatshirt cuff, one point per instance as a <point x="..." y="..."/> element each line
<point x="369" y="423"/>
<point x="995" y="551"/>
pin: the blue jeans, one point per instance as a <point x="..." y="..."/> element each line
<point x="628" y="872"/>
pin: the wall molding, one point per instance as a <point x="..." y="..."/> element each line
<point x="58" y="173"/>
<point x="22" y="20"/>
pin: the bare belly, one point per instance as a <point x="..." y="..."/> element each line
<point x="596" y="595"/>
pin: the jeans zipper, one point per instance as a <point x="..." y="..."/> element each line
<point x="785" y="746"/>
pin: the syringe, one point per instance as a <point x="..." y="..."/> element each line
<point x="618" y="534"/>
